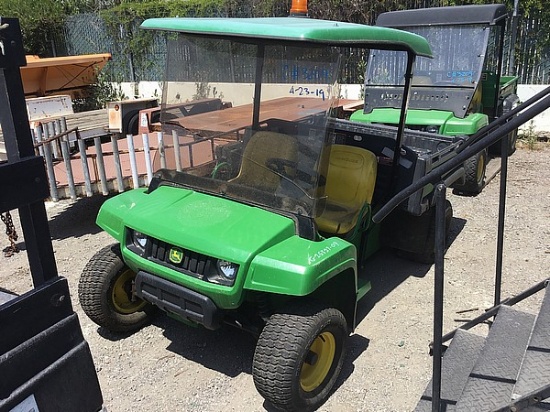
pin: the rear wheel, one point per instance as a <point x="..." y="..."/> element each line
<point x="511" y="138"/>
<point x="106" y="293"/>
<point x="427" y="253"/>
<point x="299" y="356"/>
<point x="474" y="176"/>
<point x="512" y="141"/>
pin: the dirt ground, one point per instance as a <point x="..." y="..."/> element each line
<point x="168" y="366"/>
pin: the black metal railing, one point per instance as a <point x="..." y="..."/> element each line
<point x="491" y="134"/>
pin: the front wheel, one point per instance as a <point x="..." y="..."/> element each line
<point x="299" y="356"/>
<point x="106" y="294"/>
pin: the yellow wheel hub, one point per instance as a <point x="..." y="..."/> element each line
<point x="121" y="295"/>
<point x="480" y="167"/>
<point x="320" y="359"/>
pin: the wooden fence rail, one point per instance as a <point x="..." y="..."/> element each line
<point x="78" y="167"/>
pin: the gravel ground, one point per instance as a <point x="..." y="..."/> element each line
<point x="172" y="367"/>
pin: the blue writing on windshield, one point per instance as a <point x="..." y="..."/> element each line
<point x="461" y="76"/>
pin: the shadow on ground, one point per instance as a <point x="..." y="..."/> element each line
<point x="227" y="350"/>
<point x="386" y="271"/>
<point x="231" y="351"/>
<point x="77" y="219"/>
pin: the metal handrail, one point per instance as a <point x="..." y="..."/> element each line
<point x="504" y="118"/>
<point x="489" y="313"/>
<point x="486" y="137"/>
<point x="439" y="251"/>
<point x="56" y="137"/>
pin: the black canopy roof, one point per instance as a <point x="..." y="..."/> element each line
<point x="491" y="14"/>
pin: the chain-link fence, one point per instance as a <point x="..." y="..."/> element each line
<point x="89" y="33"/>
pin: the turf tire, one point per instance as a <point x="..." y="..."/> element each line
<point x="95" y="292"/>
<point x="474" y="174"/>
<point x="284" y="345"/>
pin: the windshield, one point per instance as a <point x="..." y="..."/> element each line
<point x="248" y="121"/>
<point x="458" y="54"/>
<point x="443" y="83"/>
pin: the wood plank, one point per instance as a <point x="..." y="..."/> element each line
<point x="237" y="118"/>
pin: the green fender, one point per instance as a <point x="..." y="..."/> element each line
<point x="468" y="126"/>
<point x="113" y="211"/>
<point x="297" y="266"/>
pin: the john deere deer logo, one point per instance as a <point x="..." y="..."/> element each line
<point x="176" y="255"/>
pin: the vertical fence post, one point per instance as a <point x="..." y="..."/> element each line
<point x="213" y="148"/>
<point x="101" y="167"/>
<point x="118" y="167"/>
<point x="67" y="162"/>
<point x="439" y="250"/>
<point x="177" y="154"/>
<point x="57" y="127"/>
<point x="85" y="168"/>
<point x="160" y="138"/>
<point x="49" y="162"/>
<point x="190" y="149"/>
<point x="133" y="165"/>
<point x="63" y="128"/>
<point x="65" y="153"/>
<point x="51" y="133"/>
<point x="147" y="154"/>
<point x="37" y="140"/>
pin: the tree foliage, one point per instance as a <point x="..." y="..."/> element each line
<point x="42" y="20"/>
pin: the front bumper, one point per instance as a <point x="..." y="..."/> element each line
<point x="177" y="299"/>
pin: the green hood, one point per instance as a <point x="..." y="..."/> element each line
<point x="206" y="224"/>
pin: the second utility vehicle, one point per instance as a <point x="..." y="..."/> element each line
<point x="458" y="91"/>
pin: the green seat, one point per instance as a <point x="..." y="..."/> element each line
<point x="349" y="188"/>
<point x="262" y="149"/>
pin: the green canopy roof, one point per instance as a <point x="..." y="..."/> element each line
<point x="296" y="29"/>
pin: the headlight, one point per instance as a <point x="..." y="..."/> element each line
<point x="224" y="273"/>
<point x="432" y="129"/>
<point x="227" y="269"/>
<point x="139" y="239"/>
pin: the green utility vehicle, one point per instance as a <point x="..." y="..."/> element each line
<point x="268" y="230"/>
<point x="456" y="93"/>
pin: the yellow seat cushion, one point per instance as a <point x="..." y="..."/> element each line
<point x="349" y="187"/>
